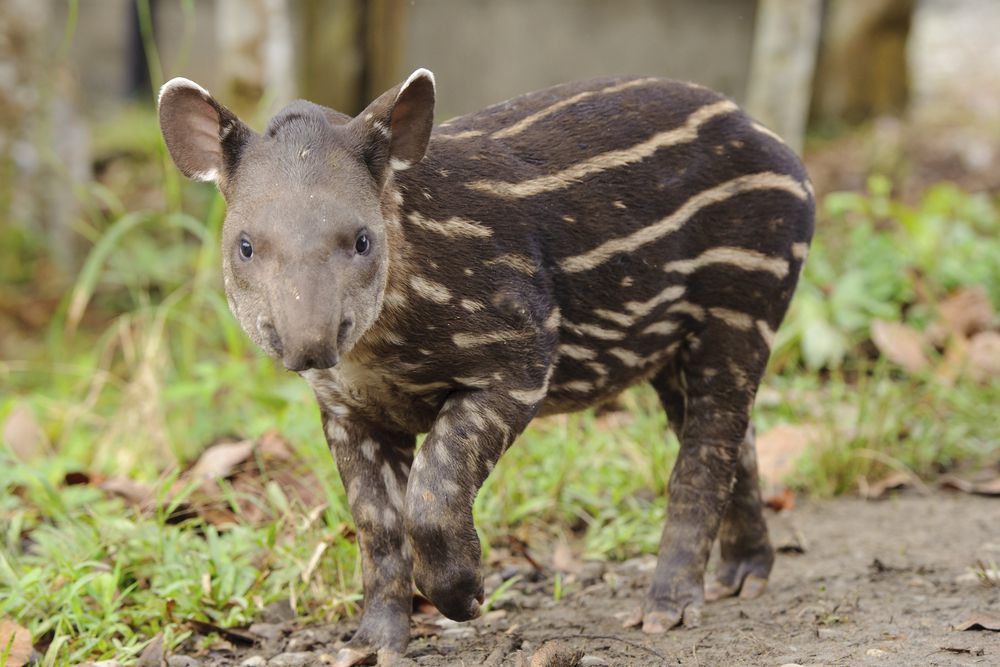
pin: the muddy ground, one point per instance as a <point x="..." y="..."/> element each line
<point x="856" y="583"/>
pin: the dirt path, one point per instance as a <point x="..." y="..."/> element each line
<point x="879" y="583"/>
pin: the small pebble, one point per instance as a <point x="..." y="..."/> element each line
<point x="183" y="661"/>
<point x="292" y="659"/>
<point x="254" y="661"/>
<point x="592" y="661"/>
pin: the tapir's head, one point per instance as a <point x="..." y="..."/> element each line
<point x="305" y="249"/>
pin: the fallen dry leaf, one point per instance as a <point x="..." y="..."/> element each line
<point x="135" y="493"/>
<point x="984" y="355"/>
<point x="779" y="449"/>
<point x="964" y="313"/>
<point x="980" y="620"/>
<point x="152" y="655"/>
<point x="894" y="481"/>
<point x="23" y="435"/>
<point x="988" y="486"/>
<point x="219" y="460"/>
<point x="783" y="500"/>
<point x="19" y="640"/>
<point x="564" y="560"/>
<point x="901" y="344"/>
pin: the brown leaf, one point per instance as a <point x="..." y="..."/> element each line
<point x="19" y="640"/>
<point x="964" y="313"/>
<point x="984" y="355"/>
<point x="779" y="449"/>
<point x="152" y="655"/>
<point x="981" y="620"/>
<point x="564" y="560"/>
<point x="219" y="460"/>
<point x="135" y="493"/>
<point x="894" y="481"/>
<point x="235" y="635"/>
<point x="989" y="486"/>
<point x="901" y="344"/>
<point x="23" y="435"/>
<point x="783" y="500"/>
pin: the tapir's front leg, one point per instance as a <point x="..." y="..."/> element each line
<point x="374" y="465"/>
<point x="471" y="432"/>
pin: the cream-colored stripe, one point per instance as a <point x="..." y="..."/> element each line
<point x="552" y="321"/>
<point x="472" y="340"/>
<point x="741" y="258"/>
<point x="765" y="131"/>
<point x="521" y="263"/>
<point x="676" y="220"/>
<point x="574" y="385"/>
<point x="467" y="134"/>
<point x="800" y="250"/>
<point x="621" y="319"/>
<point x="576" y="352"/>
<point x="430" y="290"/>
<point x="660" y="328"/>
<point x="688" y="308"/>
<point x="628" y="357"/>
<point x="532" y="396"/>
<point x="593" y="331"/>
<point x="643" y="308"/>
<point x="451" y="226"/>
<point x="528" y="121"/>
<point x="766" y="332"/>
<point x="733" y="318"/>
<point x="609" y="160"/>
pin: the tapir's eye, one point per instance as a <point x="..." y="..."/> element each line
<point x="362" y="245"/>
<point x="246" y="250"/>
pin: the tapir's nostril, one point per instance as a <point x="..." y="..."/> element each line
<point x="306" y="358"/>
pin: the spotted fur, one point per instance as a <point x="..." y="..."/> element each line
<point x="536" y="257"/>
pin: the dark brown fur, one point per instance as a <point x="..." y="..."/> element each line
<point x="543" y="255"/>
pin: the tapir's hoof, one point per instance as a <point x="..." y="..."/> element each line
<point x="348" y="657"/>
<point x="752" y="586"/>
<point x="658" y="621"/>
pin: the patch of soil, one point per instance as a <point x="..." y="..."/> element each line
<point x="857" y="583"/>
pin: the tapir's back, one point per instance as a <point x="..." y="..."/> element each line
<point x="649" y="208"/>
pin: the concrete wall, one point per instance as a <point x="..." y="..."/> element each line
<point x="482" y="51"/>
<point x="485" y="51"/>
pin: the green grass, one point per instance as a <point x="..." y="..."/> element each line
<point x="143" y="367"/>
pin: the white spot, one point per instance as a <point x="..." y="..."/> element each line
<point x="399" y="165"/>
<point x="661" y="328"/>
<point x="618" y="203"/>
<point x="430" y="290"/>
<point x="473" y="339"/>
<point x="392" y="486"/>
<point x="800" y="251"/>
<point x="208" y="176"/>
<point x="368" y="448"/>
<point x="740" y="258"/>
<point x="471" y="305"/>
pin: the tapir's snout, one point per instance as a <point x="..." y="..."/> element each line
<point x="305" y="355"/>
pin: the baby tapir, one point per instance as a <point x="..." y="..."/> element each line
<point x="536" y="257"/>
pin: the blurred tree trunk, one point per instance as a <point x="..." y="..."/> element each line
<point x="383" y="31"/>
<point x="862" y="70"/>
<point x="257" y="63"/>
<point x="44" y="150"/>
<point x="332" y="53"/>
<point x="786" y="36"/>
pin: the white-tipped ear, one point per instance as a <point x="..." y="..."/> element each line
<point x="204" y="138"/>
<point x="419" y="73"/>
<point x="180" y="82"/>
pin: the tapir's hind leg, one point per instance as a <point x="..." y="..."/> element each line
<point x="707" y="393"/>
<point x="747" y="555"/>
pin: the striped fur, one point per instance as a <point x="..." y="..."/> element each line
<point x="539" y="256"/>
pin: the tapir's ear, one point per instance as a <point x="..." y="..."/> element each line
<point x="397" y="126"/>
<point x="204" y="138"/>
